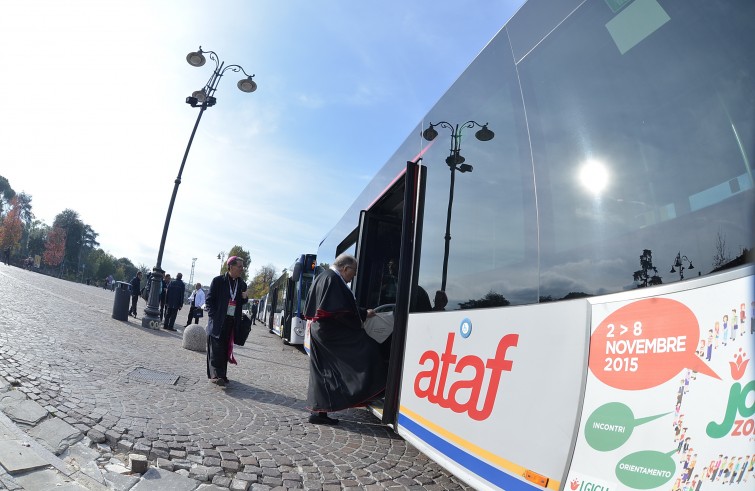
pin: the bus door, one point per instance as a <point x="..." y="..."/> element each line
<point x="388" y="250"/>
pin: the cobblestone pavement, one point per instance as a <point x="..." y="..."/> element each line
<point x="60" y="345"/>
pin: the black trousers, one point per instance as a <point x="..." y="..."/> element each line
<point x="134" y="300"/>
<point x="192" y="309"/>
<point x="170" y="316"/>
<point x="217" y="351"/>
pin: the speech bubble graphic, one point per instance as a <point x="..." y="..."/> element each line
<point x="611" y="425"/>
<point x="647" y="469"/>
<point x="646" y="343"/>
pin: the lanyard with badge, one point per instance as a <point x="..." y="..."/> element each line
<point x="232" y="302"/>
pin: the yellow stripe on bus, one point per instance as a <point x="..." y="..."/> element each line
<point x="487" y="455"/>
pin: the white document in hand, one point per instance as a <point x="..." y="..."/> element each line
<point x="380" y="326"/>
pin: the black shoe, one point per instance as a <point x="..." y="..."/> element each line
<point x="322" y="419"/>
<point x="218" y="381"/>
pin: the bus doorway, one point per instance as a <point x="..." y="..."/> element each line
<point x="388" y="243"/>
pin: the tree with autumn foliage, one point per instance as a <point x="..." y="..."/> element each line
<point x="11" y="227"/>
<point x="55" y="247"/>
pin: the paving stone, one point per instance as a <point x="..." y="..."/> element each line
<point x="120" y="482"/>
<point x="222" y="481"/>
<point x="96" y="436"/>
<point x="44" y="479"/>
<point x="11" y="397"/>
<point x="25" y="411"/>
<point x="16" y="457"/>
<point x="211" y="487"/>
<point x="137" y="463"/>
<point x="161" y="480"/>
<point x="56" y="435"/>
<point x="239" y="485"/>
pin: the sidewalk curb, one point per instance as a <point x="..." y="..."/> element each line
<point x="53" y="460"/>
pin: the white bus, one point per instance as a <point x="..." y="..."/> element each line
<point x="286" y="299"/>
<point x="585" y="135"/>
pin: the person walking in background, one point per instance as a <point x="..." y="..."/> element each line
<point x="174" y="301"/>
<point x="136" y="288"/>
<point x="224" y="309"/>
<point x="255" y="308"/>
<point x="163" y="292"/>
<point x="196" y="301"/>
<point x="7" y="256"/>
<point x="346" y="368"/>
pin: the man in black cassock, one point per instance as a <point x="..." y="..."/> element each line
<point x="224" y="309"/>
<point x="345" y="365"/>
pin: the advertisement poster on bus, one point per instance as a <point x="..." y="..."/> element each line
<point x="670" y="394"/>
<point x="494" y="394"/>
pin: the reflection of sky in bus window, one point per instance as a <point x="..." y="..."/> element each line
<point x="665" y="128"/>
<point x="670" y="121"/>
<point x="489" y="228"/>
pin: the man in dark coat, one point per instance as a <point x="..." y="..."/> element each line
<point x="136" y="285"/>
<point x="224" y="309"/>
<point x="255" y="308"/>
<point x="163" y="291"/>
<point x="174" y="300"/>
<point x="346" y="368"/>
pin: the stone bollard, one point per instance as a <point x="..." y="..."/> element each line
<point x="195" y="338"/>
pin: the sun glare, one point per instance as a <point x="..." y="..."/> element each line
<point x="593" y="175"/>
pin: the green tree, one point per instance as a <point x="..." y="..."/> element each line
<point x="260" y="284"/>
<point x="37" y="237"/>
<point x="69" y="221"/>
<point x="126" y="269"/>
<point x="491" y="299"/>
<point x="6" y="194"/>
<point x="240" y="252"/>
<point x="27" y="217"/>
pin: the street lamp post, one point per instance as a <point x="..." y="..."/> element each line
<point x="202" y="99"/>
<point x="679" y="263"/>
<point x="455" y="162"/>
<point x="221" y="256"/>
<point x="191" y="276"/>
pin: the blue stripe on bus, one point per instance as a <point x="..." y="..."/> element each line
<point x="464" y="459"/>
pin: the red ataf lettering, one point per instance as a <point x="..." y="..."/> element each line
<point x="434" y="380"/>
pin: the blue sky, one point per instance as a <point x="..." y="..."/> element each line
<point x="94" y="117"/>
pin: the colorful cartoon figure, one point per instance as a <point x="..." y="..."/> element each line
<point x="734" y="324"/>
<point x="709" y="348"/>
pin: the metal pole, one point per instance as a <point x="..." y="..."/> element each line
<point x="151" y="317"/>
<point x="448" y="228"/>
<point x="191" y="276"/>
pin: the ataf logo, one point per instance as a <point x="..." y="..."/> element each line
<point x="431" y="383"/>
<point x="737" y="404"/>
